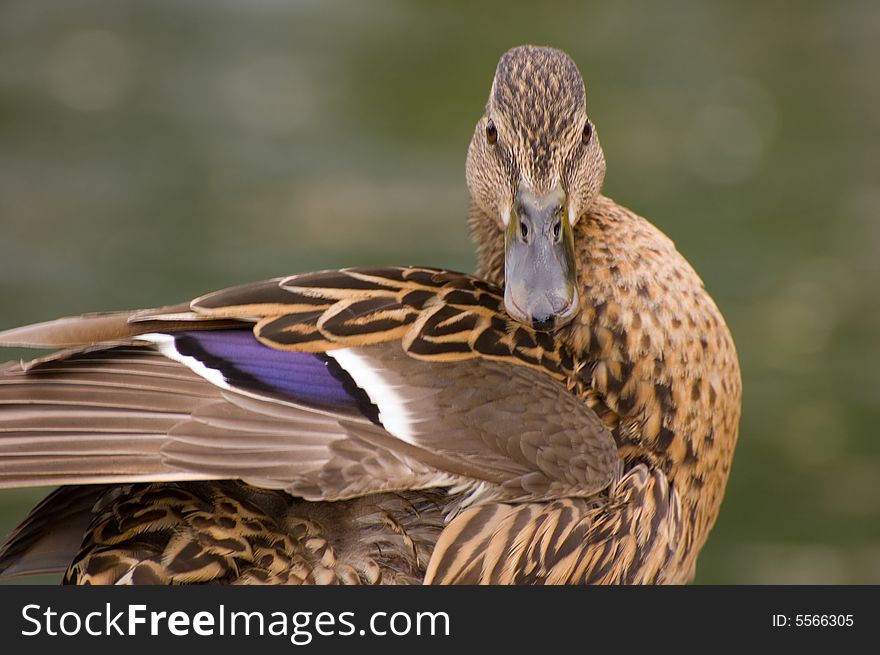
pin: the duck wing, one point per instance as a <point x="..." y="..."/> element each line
<point x="328" y="385"/>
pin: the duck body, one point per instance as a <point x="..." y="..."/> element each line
<point x="396" y="425"/>
<point x="662" y="360"/>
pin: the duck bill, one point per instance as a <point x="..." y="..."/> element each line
<point x="540" y="276"/>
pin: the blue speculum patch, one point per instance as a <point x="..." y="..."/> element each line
<point x="304" y="378"/>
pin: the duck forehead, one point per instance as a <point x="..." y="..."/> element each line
<point x="538" y="98"/>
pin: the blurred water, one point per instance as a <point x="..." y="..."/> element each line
<point x="150" y="152"/>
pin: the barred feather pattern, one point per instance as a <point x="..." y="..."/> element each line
<point x="229" y="532"/>
<point x="437" y="315"/>
<point x="626" y="537"/>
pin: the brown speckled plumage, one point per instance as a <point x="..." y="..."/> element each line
<point x="597" y="454"/>
<point x="661" y="360"/>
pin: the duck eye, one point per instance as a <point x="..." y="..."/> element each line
<point x="524" y="230"/>
<point x="557" y="228"/>
<point x="491" y="132"/>
<point x="588" y="132"/>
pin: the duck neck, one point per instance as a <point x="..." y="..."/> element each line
<point x="488" y="237"/>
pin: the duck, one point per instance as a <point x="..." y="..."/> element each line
<point x="567" y="414"/>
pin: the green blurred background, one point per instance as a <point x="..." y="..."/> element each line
<point x="152" y="151"/>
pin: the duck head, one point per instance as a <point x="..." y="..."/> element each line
<point x="534" y="167"/>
